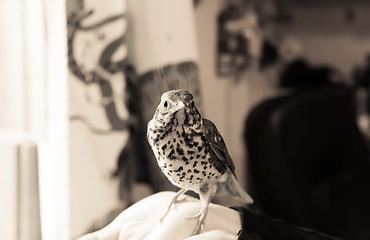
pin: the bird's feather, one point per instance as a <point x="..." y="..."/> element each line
<point x="217" y="146"/>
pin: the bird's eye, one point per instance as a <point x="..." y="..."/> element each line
<point x="165" y="104"/>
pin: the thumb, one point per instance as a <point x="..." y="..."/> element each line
<point x="110" y="232"/>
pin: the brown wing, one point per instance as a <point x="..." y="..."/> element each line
<point x="217" y="147"/>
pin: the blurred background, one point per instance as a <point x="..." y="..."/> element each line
<point x="286" y="83"/>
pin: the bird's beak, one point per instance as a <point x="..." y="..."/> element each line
<point x="180" y="105"/>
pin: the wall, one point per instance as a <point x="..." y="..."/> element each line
<point x="327" y="38"/>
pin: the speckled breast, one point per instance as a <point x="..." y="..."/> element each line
<point x="184" y="158"/>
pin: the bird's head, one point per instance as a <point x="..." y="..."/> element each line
<point x="176" y="104"/>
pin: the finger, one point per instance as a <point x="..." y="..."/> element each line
<point x="214" y="235"/>
<point x="222" y="218"/>
<point x="144" y="216"/>
<point x="103" y="234"/>
<point x="109" y="232"/>
<point x="93" y="236"/>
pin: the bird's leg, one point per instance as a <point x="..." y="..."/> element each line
<point x="175" y="200"/>
<point x="206" y="193"/>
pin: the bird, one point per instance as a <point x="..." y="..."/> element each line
<point x="192" y="154"/>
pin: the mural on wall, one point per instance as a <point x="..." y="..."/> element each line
<point x="104" y="71"/>
<point x="101" y="108"/>
<point x="110" y="72"/>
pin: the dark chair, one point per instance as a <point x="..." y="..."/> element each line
<point x="308" y="162"/>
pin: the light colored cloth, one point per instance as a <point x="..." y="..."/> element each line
<point x="141" y="221"/>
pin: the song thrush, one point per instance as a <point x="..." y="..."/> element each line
<point x="191" y="153"/>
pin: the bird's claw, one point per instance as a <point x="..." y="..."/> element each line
<point x="200" y="226"/>
<point x="173" y="204"/>
<point x="184" y="199"/>
<point x="200" y="223"/>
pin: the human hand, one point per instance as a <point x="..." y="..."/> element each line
<point x="141" y="221"/>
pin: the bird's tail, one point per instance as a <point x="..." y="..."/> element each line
<point x="232" y="188"/>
